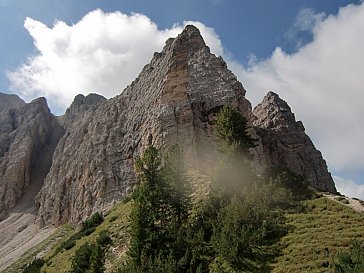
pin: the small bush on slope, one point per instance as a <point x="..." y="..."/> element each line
<point x="34" y="266"/>
<point x="351" y="261"/>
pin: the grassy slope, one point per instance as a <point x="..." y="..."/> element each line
<point x="115" y="223"/>
<point x="317" y="235"/>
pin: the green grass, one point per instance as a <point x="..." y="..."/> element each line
<point x="317" y="235"/>
<point x="116" y="228"/>
<point x="115" y="223"/>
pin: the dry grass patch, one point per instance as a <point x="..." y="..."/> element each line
<point x="317" y="235"/>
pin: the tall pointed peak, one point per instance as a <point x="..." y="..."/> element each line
<point x="273" y="111"/>
<point x="274" y="100"/>
<point x="191" y="31"/>
<point x="190" y="38"/>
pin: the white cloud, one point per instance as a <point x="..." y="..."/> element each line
<point x="306" y="21"/>
<point x="349" y="187"/>
<point x="323" y="83"/>
<point x="101" y="53"/>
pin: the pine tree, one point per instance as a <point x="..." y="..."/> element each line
<point x="97" y="260"/>
<point x="231" y="130"/>
<point x="160" y="213"/>
<point x="179" y="190"/>
<point x="149" y="216"/>
<point x="234" y="173"/>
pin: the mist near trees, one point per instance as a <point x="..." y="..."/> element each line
<point x="232" y="230"/>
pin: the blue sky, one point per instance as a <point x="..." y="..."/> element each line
<point x="245" y="27"/>
<point x="309" y="52"/>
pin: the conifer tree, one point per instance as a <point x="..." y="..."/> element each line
<point x="231" y="130"/>
<point x="97" y="260"/>
<point x="234" y="172"/>
<point x="178" y="186"/>
<point x="147" y="219"/>
<point x="160" y="213"/>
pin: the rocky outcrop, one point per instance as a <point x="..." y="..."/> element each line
<point x="171" y="101"/>
<point x="9" y="101"/>
<point x="283" y="143"/>
<point x="28" y="136"/>
<point x="80" y="105"/>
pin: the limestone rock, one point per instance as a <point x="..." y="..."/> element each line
<point x="27" y="135"/>
<point x="79" y="105"/>
<point x="171" y="101"/>
<point x="8" y="101"/>
<point x="284" y="143"/>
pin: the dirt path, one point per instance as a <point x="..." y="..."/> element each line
<point x="353" y="203"/>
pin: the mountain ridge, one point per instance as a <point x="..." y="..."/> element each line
<point x="173" y="100"/>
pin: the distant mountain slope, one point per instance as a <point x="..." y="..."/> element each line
<point x="28" y="137"/>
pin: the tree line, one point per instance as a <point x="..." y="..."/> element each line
<point x="232" y="231"/>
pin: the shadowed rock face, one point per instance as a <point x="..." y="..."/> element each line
<point x="173" y="100"/>
<point x="284" y="143"/>
<point x="27" y="136"/>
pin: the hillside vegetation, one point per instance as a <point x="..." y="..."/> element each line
<point x="317" y="234"/>
<point x="232" y="221"/>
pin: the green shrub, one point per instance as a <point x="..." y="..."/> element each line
<point x="68" y="244"/>
<point x="81" y="260"/>
<point x="88" y="231"/>
<point x="351" y="261"/>
<point x="103" y="239"/>
<point x="95" y="220"/>
<point x="112" y="219"/>
<point x="34" y="266"/>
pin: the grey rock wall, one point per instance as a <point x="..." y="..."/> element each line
<point x="9" y="101"/>
<point x="173" y="100"/>
<point x="26" y="136"/>
<point x="284" y="143"/>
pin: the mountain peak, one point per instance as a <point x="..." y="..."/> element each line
<point x="273" y="110"/>
<point x="80" y="104"/>
<point x="8" y="101"/>
<point x="190" y="39"/>
<point x="287" y="144"/>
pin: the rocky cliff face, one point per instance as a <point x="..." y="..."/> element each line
<point x="80" y="105"/>
<point x="284" y="143"/>
<point x="170" y="102"/>
<point x="173" y="100"/>
<point x="27" y="136"/>
<point x="8" y="101"/>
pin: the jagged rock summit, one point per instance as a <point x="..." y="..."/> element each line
<point x="284" y="143"/>
<point x="9" y="101"/>
<point x="173" y="100"/>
